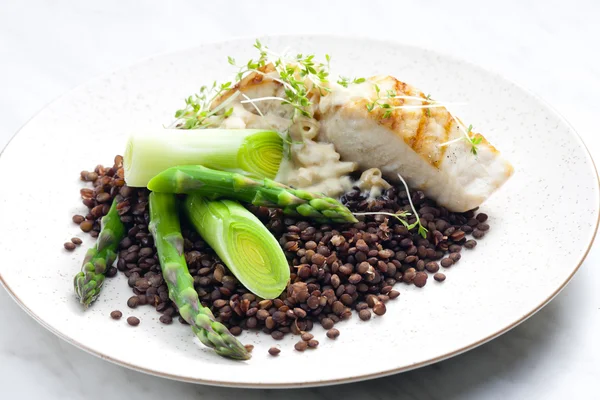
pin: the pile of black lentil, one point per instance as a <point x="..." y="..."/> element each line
<point x="335" y="268"/>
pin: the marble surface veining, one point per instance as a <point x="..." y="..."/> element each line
<point x="547" y="46"/>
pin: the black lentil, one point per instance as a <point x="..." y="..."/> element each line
<point x="133" y="302"/>
<point x="420" y="279"/>
<point x="274" y="351"/>
<point x="301" y="346"/>
<point x="364" y="314"/>
<point x="333" y="333"/>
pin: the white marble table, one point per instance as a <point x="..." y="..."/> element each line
<point x="548" y="46"/>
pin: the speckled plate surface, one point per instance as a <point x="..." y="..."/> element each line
<point x="543" y="221"/>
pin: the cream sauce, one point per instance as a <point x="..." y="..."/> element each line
<point x="372" y="181"/>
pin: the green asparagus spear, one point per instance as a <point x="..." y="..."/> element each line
<point x="213" y="184"/>
<point x="165" y="228"/>
<point x="99" y="258"/>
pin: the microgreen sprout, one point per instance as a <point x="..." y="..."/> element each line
<point x="346" y="81"/>
<point x="292" y="74"/>
<point x="249" y="100"/>
<point x="427" y="110"/>
<point x="400" y="215"/>
<point x="473" y="141"/>
<point x="197" y="112"/>
<point x="382" y="102"/>
<point x="422" y="230"/>
<point x="288" y="142"/>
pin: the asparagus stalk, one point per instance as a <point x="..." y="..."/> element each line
<point x="99" y="258"/>
<point x="244" y="244"/>
<point x="213" y="184"/>
<point x="165" y="228"/>
<point x="253" y="152"/>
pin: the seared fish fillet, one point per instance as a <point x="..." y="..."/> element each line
<point x="409" y="142"/>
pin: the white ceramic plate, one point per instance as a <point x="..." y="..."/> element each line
<point x="543" y="221"/>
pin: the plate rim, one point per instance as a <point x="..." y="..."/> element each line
<point x="327" y="382"/>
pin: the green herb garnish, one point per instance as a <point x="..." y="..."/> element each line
<point x="197" y="113"/>
<point x="422" y="230"/>
<point x="382" y="102"/>
<point x="473" y="141"/>
<point x="346" y="81"/>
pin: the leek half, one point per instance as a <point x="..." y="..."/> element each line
<point x="242" y="242"/>
<point x="252" y="152"/>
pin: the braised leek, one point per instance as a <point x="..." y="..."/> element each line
<point x="251" y="152"/>
<point x="244" y="244"/>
